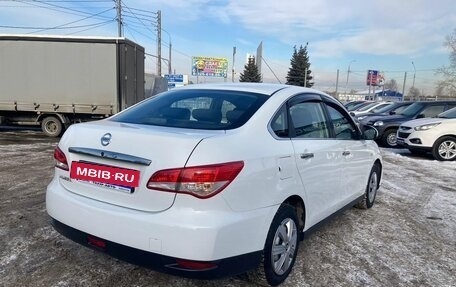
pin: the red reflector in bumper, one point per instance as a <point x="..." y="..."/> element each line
<point x="195" y="265"/>
<point x="96" y="242"/>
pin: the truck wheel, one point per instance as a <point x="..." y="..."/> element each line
<point x="389" y="138"/>
<point x="51" y="126"/>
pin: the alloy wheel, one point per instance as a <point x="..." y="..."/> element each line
<point x="447" y="149"/>
<point x="283" y="246"/>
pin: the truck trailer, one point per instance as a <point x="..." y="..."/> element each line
<point x="54" y="81"/>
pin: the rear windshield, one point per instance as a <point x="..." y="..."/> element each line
<point x="195" y="109"/>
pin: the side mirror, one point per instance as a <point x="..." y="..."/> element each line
<point x="420" y="116"/>
<point x="392" y="112"/>
<point x="370" y="133"/>
<point x="352" y="114"/>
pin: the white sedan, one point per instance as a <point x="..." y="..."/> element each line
<point x="435" y="135"/>
<point x="213" y="180"/>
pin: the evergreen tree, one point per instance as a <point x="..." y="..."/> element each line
<point x="251" y="73"/>
<point x="299" y="65"/>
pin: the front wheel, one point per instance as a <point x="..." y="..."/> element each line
<point x="280" y="249"/>
<point x="389" y="138"/>
<point x="371" y="189"/>
<point x="444" y="149"/>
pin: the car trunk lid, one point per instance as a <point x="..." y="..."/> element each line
<point x="101" y="153"/>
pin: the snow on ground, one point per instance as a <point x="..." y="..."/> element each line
<point x="407" y="239"/>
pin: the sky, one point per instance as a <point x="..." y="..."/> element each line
<point x="393" y="37"/>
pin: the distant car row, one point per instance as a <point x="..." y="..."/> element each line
<point x="419" y="126"/>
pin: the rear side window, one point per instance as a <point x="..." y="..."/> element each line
<point x="195" y="109"/>
<point x="432" y="111"/>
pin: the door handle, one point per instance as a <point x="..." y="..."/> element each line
<point x="307" y="155"/>
<point x="345" y="153"/>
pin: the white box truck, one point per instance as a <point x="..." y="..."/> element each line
<point x="54" y="81"/>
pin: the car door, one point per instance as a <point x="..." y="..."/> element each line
<point x="317" y="158"/>
<point x="356" y="156"/>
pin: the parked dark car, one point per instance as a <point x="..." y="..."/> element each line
<point x="360" y="104"/>
<point x="387" y="126"/>
<point x="393" y="109"/>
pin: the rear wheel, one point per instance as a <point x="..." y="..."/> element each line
<point x="444" y="149"/>
<point x="51" y="126"/>
<point x="280" y="249"/>
<point x="371" y="189"/>
<point x="389" y="138"/>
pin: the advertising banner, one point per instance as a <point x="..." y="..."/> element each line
<point x="209" y="67"/>
<point x="372" y="78"/>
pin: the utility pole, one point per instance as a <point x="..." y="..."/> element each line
<point x="403" y="86"/>
<point x="159" y="29"/>
<point x="232" y="71"/>
<point x="414" y="75"/>
<point x="305" y="78"/>
<point x="119" y="17"/>
<point x="348" y="75"/>
<point x="337" y="84"/>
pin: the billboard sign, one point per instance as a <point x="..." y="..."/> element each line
<point x="174" y="80"/>
<point x="374" y="78"/>
<point x="209" y="67"/>
<point x="178" y="78"/>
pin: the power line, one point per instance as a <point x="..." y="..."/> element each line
<point x="85" y="18"/>
<point x="271" y="70"/>
<point x="99" y="25"/>
<point x="59" y="8"/>
<point x="53" y="28"/>
<point x="69" y="1"/>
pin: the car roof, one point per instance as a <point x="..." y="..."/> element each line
<point x="259" y="88"/>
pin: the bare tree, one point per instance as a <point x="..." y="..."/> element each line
<point x="414" y="94"/>
<point x="391" y="85"/>
<point x="448" y="84"/>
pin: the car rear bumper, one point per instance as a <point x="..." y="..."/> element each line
<point x="182" y="231"/>
<point x="220" y="268"/>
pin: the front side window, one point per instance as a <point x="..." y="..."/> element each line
<point x="308" y="120"/>
<point x="343" y="127"/>
<point x="195" y="109"/>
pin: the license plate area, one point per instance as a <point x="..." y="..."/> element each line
<point x="112" y="177"/>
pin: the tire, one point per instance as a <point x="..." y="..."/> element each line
<point x="444" y="148"/>
<point x="371" y="189"/>
<point x="282" y="237"/>
<point x="389" y="138"/>
<point x="52" y="126"/>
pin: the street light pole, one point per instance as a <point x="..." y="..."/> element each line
<point x="348" y="75"/>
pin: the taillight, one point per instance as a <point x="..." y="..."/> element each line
<point x="200" y="181"/>
<point x="60" y="159"/>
